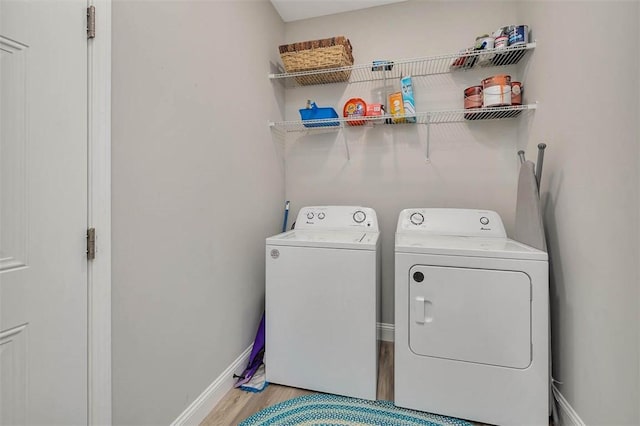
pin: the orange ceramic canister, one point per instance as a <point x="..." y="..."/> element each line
<point x="496" y="91"/>
<point x="355" y="107"/>
<point x="473" y="97"/>
<point x="472" y="100"/>
<point x="516" y="93"/>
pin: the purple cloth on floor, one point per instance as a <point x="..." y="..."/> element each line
<point x="256" y="357"/>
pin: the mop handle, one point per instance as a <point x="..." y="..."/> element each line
<point x="286" y="216"/>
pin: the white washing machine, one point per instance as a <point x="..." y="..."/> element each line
<point x="322" y="302"/>
<point x="471" y="319"/>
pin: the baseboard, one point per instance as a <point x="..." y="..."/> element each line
<point x="198" y="410"/>
<point x="202" y="406"/>
<point x="568" y="416"/>
<point x="386" y="332"/>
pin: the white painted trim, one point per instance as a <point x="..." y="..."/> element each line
<point x="386" y="332"/>
<point x="99" y="217"/>
<point x="202" y="406"/>
<point x="568" y="416"/>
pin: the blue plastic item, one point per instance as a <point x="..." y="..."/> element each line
<point x="286" y="216"/>
<point x="315" y="113"/>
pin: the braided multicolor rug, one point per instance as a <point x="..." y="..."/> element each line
<point x="333" y="410"/>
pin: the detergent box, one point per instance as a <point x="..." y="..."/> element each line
<point x="407" y="98"/>
<point x="396" y="109"/>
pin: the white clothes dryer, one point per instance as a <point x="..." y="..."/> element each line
<point x="322" y="302"/>
<point x="471" y="319"/>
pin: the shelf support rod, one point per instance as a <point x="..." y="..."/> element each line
<point x="346" y="144"/>
<point x="428" y="125"/>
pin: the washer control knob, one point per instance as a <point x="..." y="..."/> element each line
<point x="484" y="220"/>
<point x="416" y="218"/>
<point x="321" y="215"/>
<point x="310" y="215"/>
<point x="359" y="216"/>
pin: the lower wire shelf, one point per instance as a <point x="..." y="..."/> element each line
<point x="423" y="118"/>
<point x="429" y="117"/>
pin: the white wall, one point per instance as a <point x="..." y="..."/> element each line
<point x="191" y="167"/>
<point x="197" y="186"/>
<point x="472" y="165"/>
<point x="587" y="85"/>
<point x="588" y="91"/>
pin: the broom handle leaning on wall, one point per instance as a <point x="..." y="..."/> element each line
<point x="286" y="216"/>
<point x="541" y="147"/>
<point x="538" y="172"/>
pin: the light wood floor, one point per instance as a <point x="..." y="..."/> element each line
<point x="237" y="405"/>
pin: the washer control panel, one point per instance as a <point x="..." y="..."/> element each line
<point x="461" y="222"/>
<point x="337" y="217"/>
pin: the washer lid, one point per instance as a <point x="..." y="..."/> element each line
<point x="451" y="245"/>
<point x="326" y="239"/>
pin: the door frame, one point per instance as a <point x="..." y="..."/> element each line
<point x="99" y="217"/>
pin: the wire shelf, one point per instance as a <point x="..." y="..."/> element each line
<point x="477" y="114"/>
<point x="442" y="64"/>
<point x="430" y="117"/>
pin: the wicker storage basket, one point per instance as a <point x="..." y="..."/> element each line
<point x="316" y="55"/>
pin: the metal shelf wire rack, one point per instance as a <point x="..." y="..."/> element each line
<point x="416" y="67"/>
<point x="429" y="117"/>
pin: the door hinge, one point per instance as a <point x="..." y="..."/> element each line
<point x="91" y="243"/>
<point x="91" y="22"/>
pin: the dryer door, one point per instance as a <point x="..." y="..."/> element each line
<point x="473" y="315"/>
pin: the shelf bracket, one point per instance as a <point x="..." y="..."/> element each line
<point x="346" y="144"/>
<point x="428" y="126"/>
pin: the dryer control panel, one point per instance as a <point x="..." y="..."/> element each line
<point x="338" y="217"/>
<point x="460" y="222"/>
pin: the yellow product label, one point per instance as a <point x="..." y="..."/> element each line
<point x="396" y="107"/>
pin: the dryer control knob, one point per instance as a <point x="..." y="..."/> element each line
<point x="321" y="215"/>
<point x="417" y="218"/>
<point x="310" y="215"/>
<point x="359" y="216"/>
<point x="484" y="220"/>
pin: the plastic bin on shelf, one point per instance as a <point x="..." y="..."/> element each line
<point x="316" y="113"/>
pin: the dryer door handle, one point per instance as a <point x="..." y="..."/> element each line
<point x="422" y="310"/>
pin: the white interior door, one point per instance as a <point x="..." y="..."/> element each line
<point x="43" y="212"/>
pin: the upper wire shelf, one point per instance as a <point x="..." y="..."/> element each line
<point x="432" y="65"/>
<point x="430" y="117"/>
